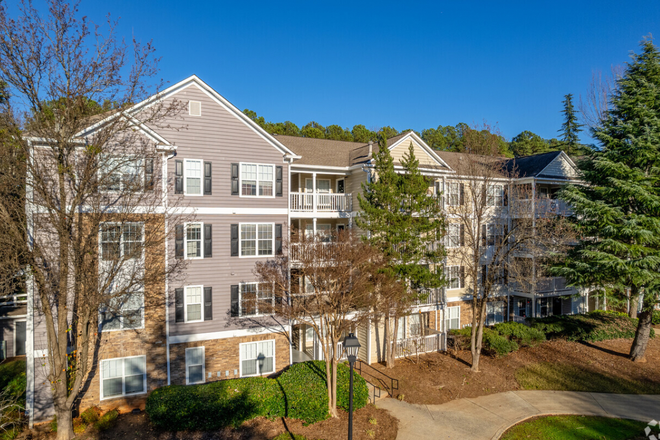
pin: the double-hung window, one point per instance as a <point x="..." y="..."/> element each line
<point x="193" y="303"/>
<point x="257" y="180"/>
<point x="123" y="376"/>
<point x="193" y="177"/>
<point x="495" y="195"/>
<point x="453" y="318"/>
<point x="453" y="235"/>
<point x="194" y="240"/>
<point x="124" y="312"/>
<point x="453" y="277"/>
<point x="453" y="194"/>
<point x="257" y="239"/>
<point x="256" y="299"/>
<point x="494" y="312"/>
<point x="194" y="365"/>
<point x="121" y="240"/>
<point x="121" y="173"/>
<point x="257" y="358"/>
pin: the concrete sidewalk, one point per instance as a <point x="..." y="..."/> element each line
<point x="487" y="417"/>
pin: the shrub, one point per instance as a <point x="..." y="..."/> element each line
<point x="525" y="336"/>
<point x="300" y="392"/>
<point x="107" y="420"/>
<point x="497" y="343"/>
<point x="90" y="415"/>
<point x="592" y="327"/>
<point x="656" y="317"/>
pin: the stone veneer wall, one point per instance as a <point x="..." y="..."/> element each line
<point x="222" y="355"/>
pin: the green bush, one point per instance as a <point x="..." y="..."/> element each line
<point x="493" y="342"/>
<point x="90" y="415"/>
<point x="300" y="393"/>
<point x="656" y="317"/>
<point x="592" y="327"/>
<point x="107" y="420"/>
<point x="524" y="335"/>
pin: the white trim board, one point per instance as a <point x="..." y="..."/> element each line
<point x="229" y="334"/>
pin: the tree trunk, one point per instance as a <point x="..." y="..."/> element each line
<point x="642" y="335"/>
<point x="634" y="304"/>
<point x="333" y="404"/>
<point x="478" y="334"/>
<point x="394" y="336"/>
<point x="64" y="422"/>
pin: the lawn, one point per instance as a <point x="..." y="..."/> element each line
<point x="576" y="428"/>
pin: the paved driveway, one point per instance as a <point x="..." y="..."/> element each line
<point x="487" y="417"/>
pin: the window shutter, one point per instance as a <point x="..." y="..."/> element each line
<point x="484" y="273"/>
<point x="178" y="242"/>
<point x="208" y="241"/>
<point x="505" y="237"/>
<point x="207" y="178"/>
<point x="178" y="305"/>
<point x="234" y="300"/>
<point x="234" y="240"/>
<point x="462" y="202"/>
<point x="278" y="239"/>
<point x="149" y="174"/>
<point x="234" y="179"/>
<point x="438" y="192"/>
<point x="178" y="177"/>
<point x="278" y="181"/>
<point x="505" y="196"/>
<point x="208" y="303"/>
<point x="462" y="234"/>
<point x="506" y="276"/>
<point x="484" y="235"/>
<point x="462" y="277"/>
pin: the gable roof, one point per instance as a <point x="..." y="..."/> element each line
<point x="324" y="152"/>
<point x="395" y="141"/>
<point x="172" y="90"/>
<point x="530" y="166"/>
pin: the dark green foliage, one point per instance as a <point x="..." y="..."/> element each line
<point x="528" y="143"/>
<point x="570" y="128"/>
<point x="594" y="326"/>
<point x="525" y="336"/>
<point x="300" y="393"/>
<point x="107" y="420"/>
<point x="90" y="415"/>
<point x="656" y="317"/>
<point x="493" y="342"/>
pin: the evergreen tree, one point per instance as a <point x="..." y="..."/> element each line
<point x="570" y="128"/>
<point x="618" y="210"/>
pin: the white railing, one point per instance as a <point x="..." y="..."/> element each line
<point x="418" y="345"/>
<point x="316" y="248"/>
<point x="320" y="202"/>
<point x="434" y="297"/>
<point x="12" y="300"/>
<point x="543" y="285"/>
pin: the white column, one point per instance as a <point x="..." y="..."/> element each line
<point x="314" y="229"/>
<point x="314" y="197"/>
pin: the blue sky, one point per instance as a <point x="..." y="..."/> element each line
<point x="405" y="64"/>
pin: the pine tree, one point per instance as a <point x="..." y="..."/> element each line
<point x="618" y="210"/>
<point x="570" y="128"/>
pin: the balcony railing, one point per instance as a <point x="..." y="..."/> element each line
<point x="321" y="202"/>
<point x="543" y="285"/>
<point x="523" y="208"/>
<point x="434" y="297"/>
<point x="319" y="248"/>
<point x="13" y="300"/>
<point x="418" y="345"/>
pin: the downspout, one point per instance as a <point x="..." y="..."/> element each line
<point x="288" y="232"/>
<point x="165" y="159"/>
<point x="29" y="340"/>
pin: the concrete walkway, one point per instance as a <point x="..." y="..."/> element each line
<point x="487" y="417"/>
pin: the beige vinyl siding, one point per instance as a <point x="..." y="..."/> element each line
<point x="560" y="167"/>
<point x="363" y="338"/>
<point x="400" y="150"/>
<point x="354" y="186"/>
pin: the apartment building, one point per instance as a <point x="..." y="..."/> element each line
<point x="245" y="191"/>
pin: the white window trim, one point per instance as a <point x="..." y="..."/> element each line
<point x="121" y="185"/>
<point x="492" y="308"/>
<point x="240" y="240"/>
<point x="185" y="241"/>
<point x="185" y="303"/>
<point x="240" y="179"/>
<point x="121" y="317"/>
<point x="240" y="359"/>
<point x="448" y="319"/>
<point x="185" y="179"/>
<point x="449" y="245"/>
<point x="459" y="277"/>
<point x="337" y="185"/>
<point x="203" y="365"/>
<point x="123" y="377"/>
<point x="449" y="193"/>
<point x="200" y="108"/>
<point x="317" y="185"/>
<point x="16" y="333"/>
<point x="240" y="301"/>
<point x="121" y="241"/>
<point x="495" y="185"/>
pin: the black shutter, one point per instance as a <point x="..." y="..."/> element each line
<point x="278" y="181"/>
<point x="208" y="303"/>
<point x="506" y="276"/>
<point x="234" y="179"/>
<point x="278" y="239"/>
<point x="484" y="274"/>
<point x="208" y="241"/>
<point x="462" y="277"/>
<point x="484" y="235"/>
<point x="178" y="305"/>
<point x="234" y="240"/>
<point x="462" y="234"/>
<point x="207" y="178"/>
<point x="505" y="196"/>
<point x="234" y="300"/>
<point x="178" y="242"/>
<point x="437" y="190"/>
<point x="505" y="238"/>
<point x="178" y="177"/>
<point x="462" y="202"/>
<point x="149" y="174"/>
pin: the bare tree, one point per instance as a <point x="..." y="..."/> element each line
<point x="87" y="219"/>
<point x="596" y="102"/>
<point x="500" y="231"/>
<point x="330" y="289"/>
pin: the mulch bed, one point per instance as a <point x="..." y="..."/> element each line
<point x="137" y="426"/>
<point x="441" y="377"/>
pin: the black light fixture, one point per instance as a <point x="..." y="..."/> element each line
<point x="351" y="346"/>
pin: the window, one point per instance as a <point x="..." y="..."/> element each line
<point x="415" y="324"/>
<point x="322" y="185"/>
<point x="453" y="235"/>
<point x="194" y="240"/>
<point x="499" y="278"/>
<point x="121" y="173"/>
<point x="340" y="186"/>
<point x="121" y="241"/>
<point x="453" y="194"/>
<point x="494" y="234"/>
<point x="495" y="195"/>
<point x="193" y="177"/>
<point x="193" y="303"/>
<point x="494" y="312"/>
<point x="194" y="365"/>
<point x="256" y="299"/>
<point x="453" y="277"/>
<point x="256" y="240"/>
<point x="257" y="358"/>
<point x="257" y="180"/>
<point x="453" y="318"/>
<point x="124" y="312"/>
<point x="123" y="376"/>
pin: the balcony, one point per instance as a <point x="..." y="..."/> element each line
<point x="523" y="208"/>
<point x="321" y="202"/>
<point x="434" y="297"/>
<point x="544" y="286"/>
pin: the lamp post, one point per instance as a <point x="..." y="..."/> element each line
<point x="352" y="346"/>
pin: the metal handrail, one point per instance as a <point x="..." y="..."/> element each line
<point x="394" y="383"/>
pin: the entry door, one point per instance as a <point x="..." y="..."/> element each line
<point x="556" y="306"/>
<point x="20" y="330"/>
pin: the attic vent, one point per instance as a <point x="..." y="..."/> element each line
<point x="195" y="108"/>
